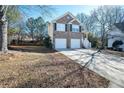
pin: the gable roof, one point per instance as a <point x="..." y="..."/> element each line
<point x="120" y="26"/>
<point x="66" y="14"/>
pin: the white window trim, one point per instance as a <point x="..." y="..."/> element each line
<point x="75" y="27"/>
<point x="60" y="27"/>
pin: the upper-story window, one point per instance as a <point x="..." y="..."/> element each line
<point x="60" y="27"/>
<point x="75" y="28"/>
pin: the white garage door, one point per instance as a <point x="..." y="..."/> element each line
<point x="75" y="43"/>
<point x="60" y="43"/>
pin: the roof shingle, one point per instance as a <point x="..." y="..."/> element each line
<point x="120" y="26"/>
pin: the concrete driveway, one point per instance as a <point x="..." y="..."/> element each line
<point x="109" y="66"/>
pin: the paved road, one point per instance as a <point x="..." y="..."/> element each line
<point x="109" y="66"/>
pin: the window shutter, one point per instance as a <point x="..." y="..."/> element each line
<point x="80" y="28"/>
<point x="54" y="26"/>
<point x="70" y="27"/>
<point x="66" y="28"/>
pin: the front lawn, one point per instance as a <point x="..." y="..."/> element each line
<point x="44" y="68"/>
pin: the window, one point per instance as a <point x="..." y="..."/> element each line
<point x="75" y="28"/>
<point x="60" y="27"/>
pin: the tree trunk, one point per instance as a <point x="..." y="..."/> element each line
<point x="4" y="47"/>
<point x="32" y="35"/>
<point x="103" y="36"/>
<point x="0" y="37"/>
<point x="3" y="29"/>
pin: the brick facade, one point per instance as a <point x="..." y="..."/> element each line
<point x="68" y="34"/>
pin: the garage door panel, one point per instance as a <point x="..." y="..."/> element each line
<point x="75" y="43"/>
<point x="60" y="43"/>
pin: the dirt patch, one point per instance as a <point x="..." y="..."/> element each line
<point x="50" y="69"/>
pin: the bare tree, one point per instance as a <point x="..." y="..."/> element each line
<point x="87" y="21"/>
<point x="105" y="17"/>
<point x="4" y="21"/>
<point x="4" y="24"/>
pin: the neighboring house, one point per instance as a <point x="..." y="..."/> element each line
<point x="117" y="33"/>
<point x="67" y="32"/>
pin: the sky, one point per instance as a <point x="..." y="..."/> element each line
<point x="59" y="10"/>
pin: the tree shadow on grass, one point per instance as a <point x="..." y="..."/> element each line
<point x="77" y="78"/>
<point x="72" y="77"/>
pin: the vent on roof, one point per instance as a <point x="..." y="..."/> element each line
<point x="68" y="17"/>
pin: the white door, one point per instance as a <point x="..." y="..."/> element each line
<point x="60" y="43"/>
<point x="75" y="43"/>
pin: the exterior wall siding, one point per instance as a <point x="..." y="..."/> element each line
<point x="50" y="31"/>
<point x="75" y="22"/>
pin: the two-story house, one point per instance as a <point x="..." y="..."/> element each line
<point x="66" y="32"/>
